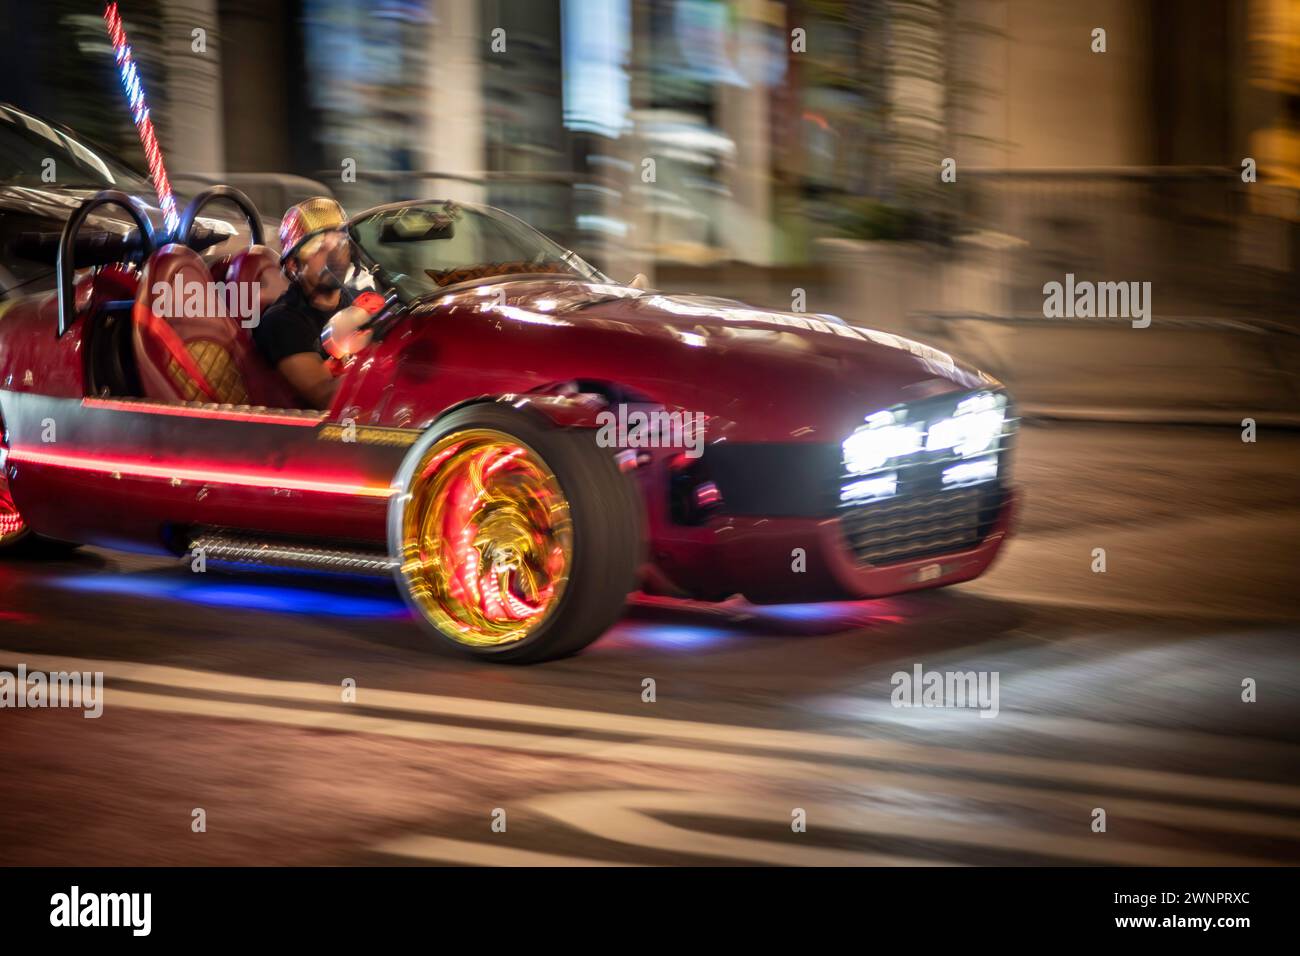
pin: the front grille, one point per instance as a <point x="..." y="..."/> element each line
<point x="919" y="508"/>
<point x="917" y="526"/>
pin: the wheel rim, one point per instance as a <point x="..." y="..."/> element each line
<point x="12" y="526"/>
<point x="487" y="540"/>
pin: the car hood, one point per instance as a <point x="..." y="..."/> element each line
<point x="803" y="373"/>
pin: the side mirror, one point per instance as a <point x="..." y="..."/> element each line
<point x="639" y="281"/>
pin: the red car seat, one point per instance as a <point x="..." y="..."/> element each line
<point x="183" y="358"/>
<point x="261" y="266"/>
<point x="205" y="357"/>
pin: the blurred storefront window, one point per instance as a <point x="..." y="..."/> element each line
<point x="365" y="71"/>
<point x="59" y="63"/>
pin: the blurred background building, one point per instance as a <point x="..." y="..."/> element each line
<point x="748" y="144"/>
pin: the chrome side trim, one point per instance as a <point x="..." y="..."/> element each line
<point x="222" y="547"/>
<point x="211" y="410"/>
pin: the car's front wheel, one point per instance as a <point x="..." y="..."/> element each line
<point x="514" y="540"/>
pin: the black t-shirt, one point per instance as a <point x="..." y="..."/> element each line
<point x="289" y="327"/>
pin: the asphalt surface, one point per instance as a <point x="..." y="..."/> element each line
<point x="1118" y="691"/>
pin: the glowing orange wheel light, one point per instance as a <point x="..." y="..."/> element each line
<point x="487" y="541"/>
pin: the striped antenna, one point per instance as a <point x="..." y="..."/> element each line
<point x="140" y="113"/>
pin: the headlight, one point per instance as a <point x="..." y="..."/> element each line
<point x="971" y="472"/>
<point x="870" y="489"/>
<point x="878" y="441"/>
<point x="975" y="427"/>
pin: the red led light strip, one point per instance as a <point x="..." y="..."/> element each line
<point x="267" y="480"/>
<point x="140" y="114"/>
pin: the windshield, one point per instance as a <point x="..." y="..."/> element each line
<point x="28" y="145"/>
<point x="428" y="247"/>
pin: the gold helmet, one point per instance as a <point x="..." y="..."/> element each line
<point x="309" y="218"/>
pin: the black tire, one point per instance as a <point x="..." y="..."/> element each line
<point x="605" y="510"/>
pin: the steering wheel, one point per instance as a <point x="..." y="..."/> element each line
<point x="65" y="264"/>
<point x="191" y="213"/>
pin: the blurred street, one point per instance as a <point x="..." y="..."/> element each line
<point x="1120" y="691"/>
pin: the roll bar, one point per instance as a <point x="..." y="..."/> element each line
<point x="65" y="266"/>
<point x="236" y="196"/>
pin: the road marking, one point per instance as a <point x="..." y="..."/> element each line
<point x="617" y="815"/>
<point x="623" y="816"/>
<point x="806" y="774"/>
<point x="802" y="743"/>
<point x="442" y="850"/>
<point x="655" y="836"/>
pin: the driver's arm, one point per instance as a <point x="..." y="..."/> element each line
<point x="310" y="378"/>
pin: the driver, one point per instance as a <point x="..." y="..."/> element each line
<point x="316" y="255"/>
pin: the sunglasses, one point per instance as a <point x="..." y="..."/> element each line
<point x="325" y="242"/>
